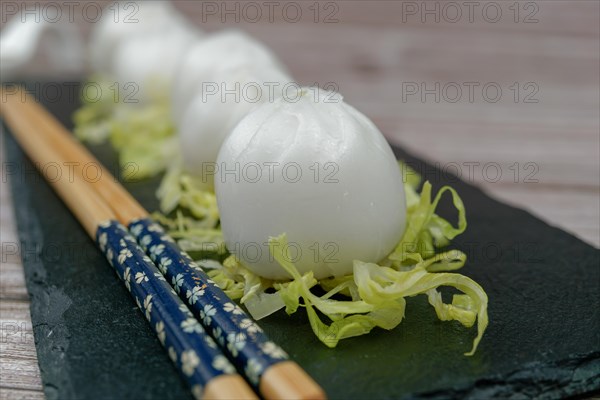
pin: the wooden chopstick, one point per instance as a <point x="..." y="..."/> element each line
<point x="52" y="132"/>
<point x="195" y="354"/>
<point x="266" y="366"/>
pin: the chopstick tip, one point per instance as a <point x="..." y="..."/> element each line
<point x="228" y="387"/>
<point x="286" y="380"/>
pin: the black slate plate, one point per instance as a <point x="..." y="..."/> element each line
<point x="543" y="284"/>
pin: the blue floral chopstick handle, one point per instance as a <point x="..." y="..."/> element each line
<point x="191" y="349"/>
<point x="241" y="338"/>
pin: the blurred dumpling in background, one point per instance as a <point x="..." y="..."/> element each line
<point x="221" y="79"/>
<point x="31" y="45"/>
<point x="210" y="57"/>
<point x="151" y="61"/>
<point x="142" y="43"/>
<point x="212" y="114"/>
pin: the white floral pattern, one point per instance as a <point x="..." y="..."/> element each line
<point x="164" y="264"/>
<point x="167" y="238"/>
<point x="183" y="308"/>
<point x="146" y="240"/>
<point x="250" y="326"/>
<point x="253" y="371"/>
<point x="109" y="256"/>
<point x="221" y="363"/>
<point x="127" y="278"/>
<point x="136" y="230"/>
<point x="159" y="276"/>
<point x="189" y="361"/>
<point x="192" y="295"/>
<point x="148" y="306"/>
<point x="123" y="255"/>
<point x="154" y="228"/>
<point x="210" y="342"/>
<point x="235" y="343"/>
<point x="207" y="313"/>
<point x="160" y="332"/>
<point x="157" y="250"/>
<point x="232" y="308"/>
<point x="228" y="307"/>
<point x="102" y="241"/>
<point x="218" y="335"/>
<point x="140" y="277"/>
<point x="191" y="325"/>
<point x="197" y="392"/>
<point x="238" y="310"/>
<point x="273" y="350"/>
<point x="177" y="281"/>
<point x="172" y="354"/>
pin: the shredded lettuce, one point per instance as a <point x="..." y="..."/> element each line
<point x="191" y="217"/>
<point x="145" y="138"/>
<point x="426" y="231"/>
<point x="382" y="292"/>
<point x="374" y="295"/>
<point x="93" y="119"/>
<point x="142" y="133"/>
<point x="182" y="190"/>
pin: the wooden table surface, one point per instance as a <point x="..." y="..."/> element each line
<point x="537" y="145"/>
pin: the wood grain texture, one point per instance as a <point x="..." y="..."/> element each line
<point x="19" y="371"/>
<point x="20" y="394"/>
<point x="371" y="55"/>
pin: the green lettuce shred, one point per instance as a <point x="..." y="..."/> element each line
<point x="142" y="133"/>
<point x="182" y="190"/>
<point x="426" y="231"/>
<point x="382" y="292"/>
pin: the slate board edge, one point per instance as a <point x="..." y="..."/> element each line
<point x="29" y="231"/>
<point x="580" y="373"/>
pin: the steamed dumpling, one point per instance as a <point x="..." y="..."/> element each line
<point x="142" y="45"/>
<point x="151" y="60"/>
<point x="210" y="117"/>
<point x="318" y="170"/>
<point x="207" y="60"/>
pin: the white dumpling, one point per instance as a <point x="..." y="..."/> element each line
<point x="206" y="60"/>
<point x="140" y="43"/>
<point x="123" y="20"/>
<point x="347" y="204"/>
<point x="150" y="61"/>
<point x="210" y="117"/>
